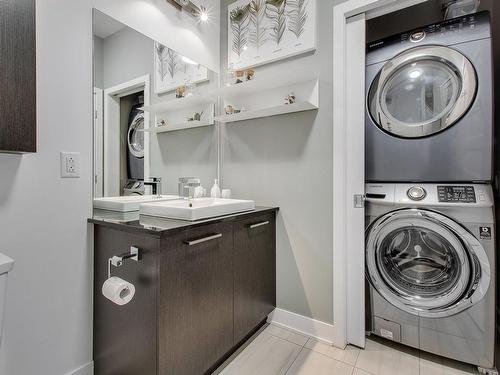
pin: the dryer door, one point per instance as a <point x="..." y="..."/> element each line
<point x="425" y="263"/>
<point x="422" y="91"/>
<point x="136" y="136"/>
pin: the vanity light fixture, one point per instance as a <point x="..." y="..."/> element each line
<point x="199" y="11"/>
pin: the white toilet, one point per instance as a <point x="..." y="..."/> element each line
<point x="6" y="265"/>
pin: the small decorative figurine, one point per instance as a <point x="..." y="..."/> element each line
<point x="240" y="76"/>
<point x="290" y="98"/>
<point x="180" y="92"/>
<point x="229" y="109"/>
<point x="250" y="74"/>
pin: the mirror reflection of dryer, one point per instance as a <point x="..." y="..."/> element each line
<point x="429" y="103"/>
<point x="430" y="263"/>
<point x="135" y="142"/>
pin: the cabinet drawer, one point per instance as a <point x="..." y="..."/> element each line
<point x="196" y="299"/>
<point x="254" y="272"/>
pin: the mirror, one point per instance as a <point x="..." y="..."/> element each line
<point x="153" y="114"/>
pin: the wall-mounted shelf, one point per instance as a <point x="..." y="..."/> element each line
<point x="173" y="105"/>
<point x="267" y="112"/>
<point x="179" y="126"/>
<point x="264" y="96"/>
<point x="265" y="81"/>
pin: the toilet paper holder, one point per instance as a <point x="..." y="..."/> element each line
<point x="117" y="260"/>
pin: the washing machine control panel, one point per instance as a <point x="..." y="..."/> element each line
<point x="456" y="194"/>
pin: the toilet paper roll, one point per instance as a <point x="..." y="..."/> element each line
<point x="118" y="290"/>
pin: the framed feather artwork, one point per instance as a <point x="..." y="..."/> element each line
<point x="173" y="70"/>
<point x="263" y="31"/>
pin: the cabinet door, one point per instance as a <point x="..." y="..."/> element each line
<point x="125" y="336"/>
<point x="254" y="273"/>
<point x="17" y="76"/>
<point x="196" y="299"/>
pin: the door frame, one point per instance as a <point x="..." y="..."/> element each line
<point x="98" y="142"/>
<point x="111" y="137"/>
<point x="349" y="61"/>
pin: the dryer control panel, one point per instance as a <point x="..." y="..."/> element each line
<point x="458" y="194"/>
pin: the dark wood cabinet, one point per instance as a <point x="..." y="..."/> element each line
<point x="254" y="273"/>
<point x="17" y="76"/>
<point x="200" y="290"/>
<point x="196" y="299"/>
<point x="125" y="336"/>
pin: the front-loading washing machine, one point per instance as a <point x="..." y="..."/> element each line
<point x="429" y="110"/>
<point x="430" y="268"/>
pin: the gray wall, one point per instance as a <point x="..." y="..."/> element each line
<point x="98" y="61"/>
<point x="287" y="161"/>
<point x="128" y="54"/>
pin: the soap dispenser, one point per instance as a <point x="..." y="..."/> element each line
<point x="215" y="191"/>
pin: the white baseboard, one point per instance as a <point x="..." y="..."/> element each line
<point x="311" y="327"/>
<point x="87" y="369"/>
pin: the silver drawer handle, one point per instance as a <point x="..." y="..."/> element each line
<point x="204" y="239"/>
<point x="253" y="226"/>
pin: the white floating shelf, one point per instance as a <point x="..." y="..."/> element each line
<point x="180" y="103"/>
<point x="267" y="112"/>
<point x="180" y="126"/>
<point x="265" y="81"/>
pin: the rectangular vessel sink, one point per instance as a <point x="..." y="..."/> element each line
<point x="196" y="209"/>
<point x="129" y="203"/>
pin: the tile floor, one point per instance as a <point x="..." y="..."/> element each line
<point x="277" y="351"/>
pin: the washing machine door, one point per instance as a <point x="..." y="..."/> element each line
<point x="135" y="136"/>
<point x="422" y="91"/>
<point x="425" y="263"/>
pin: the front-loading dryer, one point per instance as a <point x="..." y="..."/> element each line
<point x="429" y="110"/>
<point x="430" y="268"/>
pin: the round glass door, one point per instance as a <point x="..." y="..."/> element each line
<point x="418" y="262"/>
<point x="424" y="263"/>
<point x="136" y="136"/>
<point x="422" y="91"/>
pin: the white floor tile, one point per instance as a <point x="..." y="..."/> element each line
<point x="287" y="335"/>
<point x="266" y="355"/>
<point x="435" y="365"/>
<point x="312" y="363"/>
<point x="358" y="371"/>
<point x="349" y="355"/>
<point x="380" y="359"/>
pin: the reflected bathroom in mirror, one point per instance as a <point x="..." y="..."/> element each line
<point x="153" y="118"/>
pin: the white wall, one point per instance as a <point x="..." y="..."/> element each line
<point x="287" y="161"/>
<point x="48" y="328"/>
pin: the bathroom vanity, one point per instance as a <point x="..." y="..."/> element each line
<point x="202" y="288"/>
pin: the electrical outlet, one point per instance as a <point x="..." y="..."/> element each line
<point x="70" y="164"/>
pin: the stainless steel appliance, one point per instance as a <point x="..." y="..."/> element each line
<point x="429" y="104"/>
<point x="430" y="266"/>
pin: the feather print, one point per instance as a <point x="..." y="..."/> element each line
<point x="258" y="32"/>
<point x="239" y="27"/>
<point x="275" y="10"/>
<point x="160" y="51"/>
<point x="172" y="61"/>
<point x="297" y="16"/>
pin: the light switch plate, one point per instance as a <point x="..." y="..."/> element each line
<point x="70" y="164"/>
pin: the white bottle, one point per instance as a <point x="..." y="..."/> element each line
<point x="215" y="191"/>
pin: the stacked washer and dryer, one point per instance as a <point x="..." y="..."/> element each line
<point x="430" y="250"/>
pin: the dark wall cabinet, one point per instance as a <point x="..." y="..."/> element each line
<point x="200" y="292"/>
<point x="17" y="76"/>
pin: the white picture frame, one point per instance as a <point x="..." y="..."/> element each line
<point x="265" y="31"/>
<point x="172" y="70"/>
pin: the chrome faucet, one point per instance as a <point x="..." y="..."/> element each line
<point x="155" y="183"/>
<point x="187" y="186"/>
